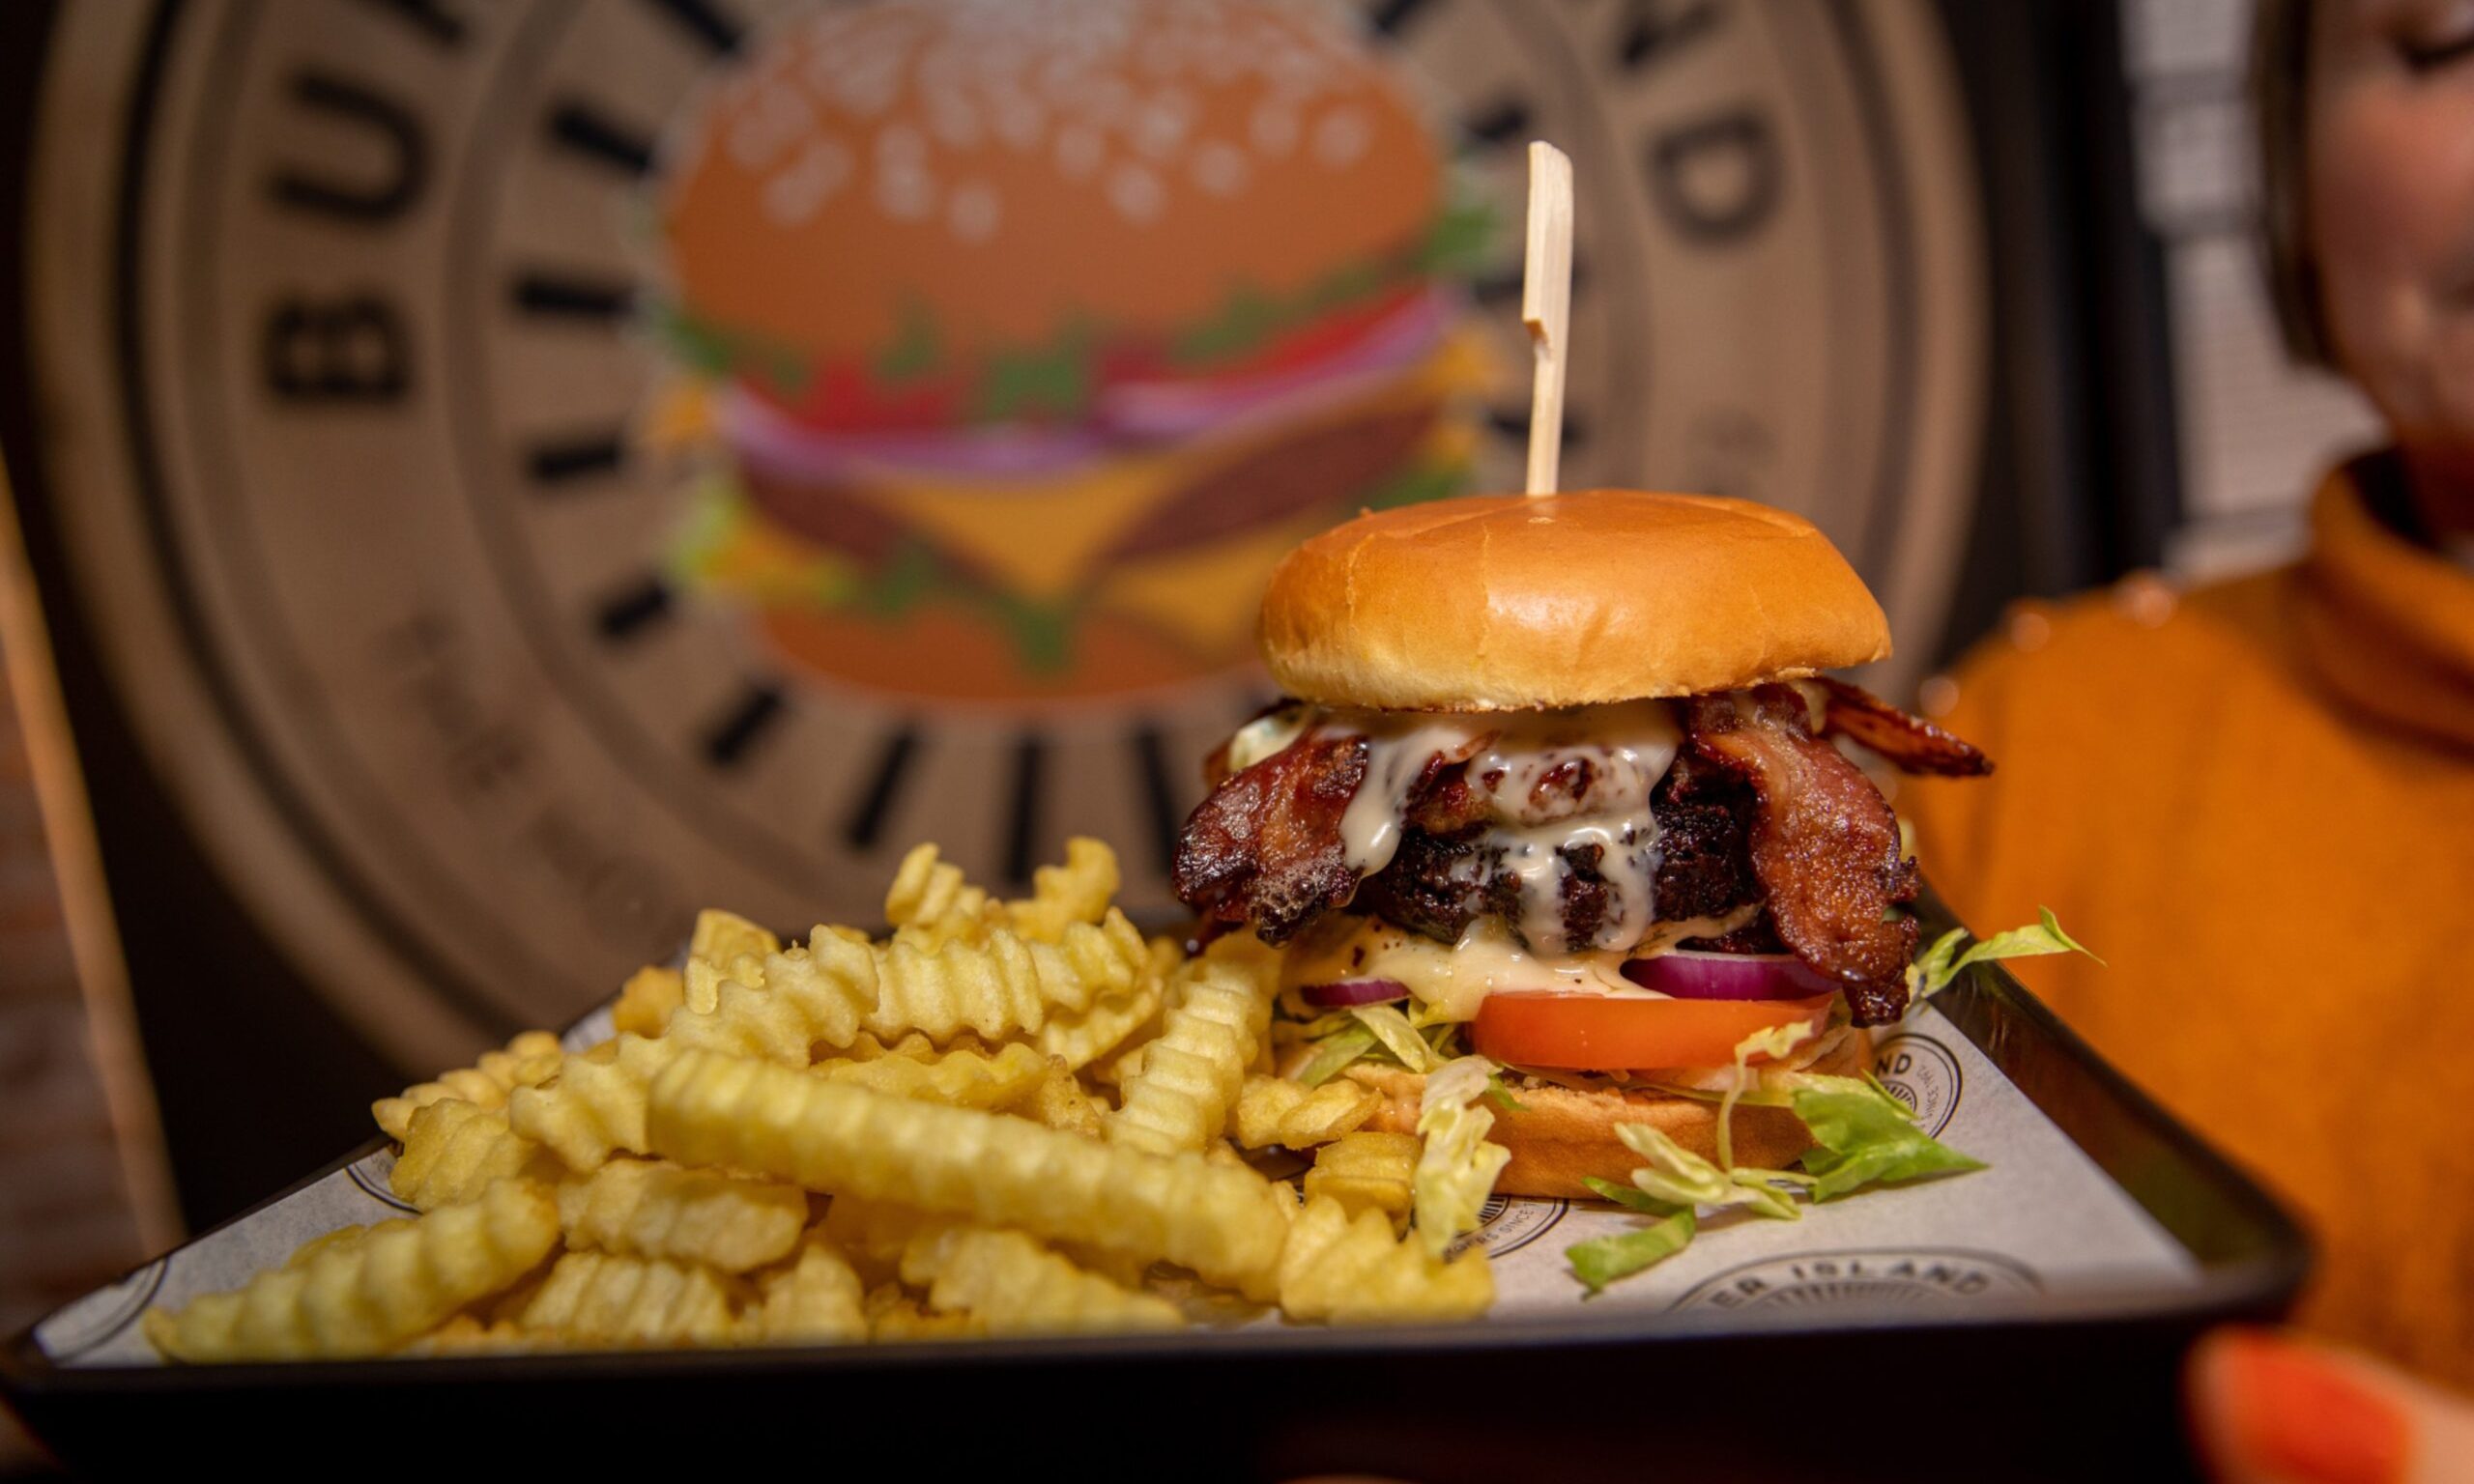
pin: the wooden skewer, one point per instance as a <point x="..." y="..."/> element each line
<point x="1546" y="305"/>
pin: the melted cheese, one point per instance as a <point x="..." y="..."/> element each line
<point x="1451" y="979"/>
<point x="1512" y="759"/>
<point x="1266" y="735"/>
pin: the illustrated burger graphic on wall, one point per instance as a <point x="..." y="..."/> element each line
<point x="1023" y="337"/>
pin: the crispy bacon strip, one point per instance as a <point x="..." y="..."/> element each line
<point x="1265" y="845"/>
<point x="1911" y="743"/>
<point x="1824" y="845"/>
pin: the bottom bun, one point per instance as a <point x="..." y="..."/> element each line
<point x="1559" y="1135"/>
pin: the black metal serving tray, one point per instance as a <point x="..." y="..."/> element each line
<point x="2032" y="1386"/>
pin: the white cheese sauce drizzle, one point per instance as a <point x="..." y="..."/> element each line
<point x="1516" y="764"/>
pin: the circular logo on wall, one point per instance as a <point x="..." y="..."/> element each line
<point x="537" y="470"/>
<point x="1899" y="1278"/>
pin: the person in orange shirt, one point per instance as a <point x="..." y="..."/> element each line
<point x="2256" y="799"/>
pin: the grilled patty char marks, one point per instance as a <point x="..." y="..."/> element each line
<point x="1437" y="884"/>
<point x="1266" y="848"/>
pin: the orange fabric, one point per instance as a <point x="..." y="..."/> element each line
<point x="2257" y="802"/>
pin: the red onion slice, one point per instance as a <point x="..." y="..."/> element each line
<point x="1688" y="975"/>
<point x="1352" y="991"/>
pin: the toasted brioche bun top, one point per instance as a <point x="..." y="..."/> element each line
<point x="1505" y="602"/>
<point x="1016" y="170"/>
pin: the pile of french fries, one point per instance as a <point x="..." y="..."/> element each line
<point x="1008" y="1116"/>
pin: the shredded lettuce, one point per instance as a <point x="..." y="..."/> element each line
<point x="1456" y="1168"/>
<point x="1940" y="965"/>
<point x="1346" y="1036"/>
<point x="1602" y="1260"/>
<point x="1397" y="1036"/>
<point x="1773" y="1042"/>
<point x="1328" y="1024"/>
<point x="1500" y="1095"/>
<point x="1458" y="1083"/>
<point x="1785" y="1085"/>
<point x="1863" y="1137"/>
<point x="1866" y="1137"/>
<point x="1334" y="1054"/>
<point x="1627" y="1196"/>
<point x="1677" y="1173"/>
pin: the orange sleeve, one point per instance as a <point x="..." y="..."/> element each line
<point x="2035" y="834"/>
<point x="1954" y="819"/>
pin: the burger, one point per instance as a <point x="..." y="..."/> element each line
<point x="1557" y="782"/>
<point x="1034" y="331"/>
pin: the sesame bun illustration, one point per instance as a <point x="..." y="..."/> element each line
<point x="1032" y="333"/>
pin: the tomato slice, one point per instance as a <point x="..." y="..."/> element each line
<point x="1606" y="1033"/>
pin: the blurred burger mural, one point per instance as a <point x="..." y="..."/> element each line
<point x="525" y="471"/>
<point x="1026" y="336"/>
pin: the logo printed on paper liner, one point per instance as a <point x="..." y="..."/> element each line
<point x="1506" y="1224"/>
<point x="1922" y="1074"/>
<point x="99" y="1317"/>
<point x="374" y="1177"/>
<point x="1891" y="1277"/>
